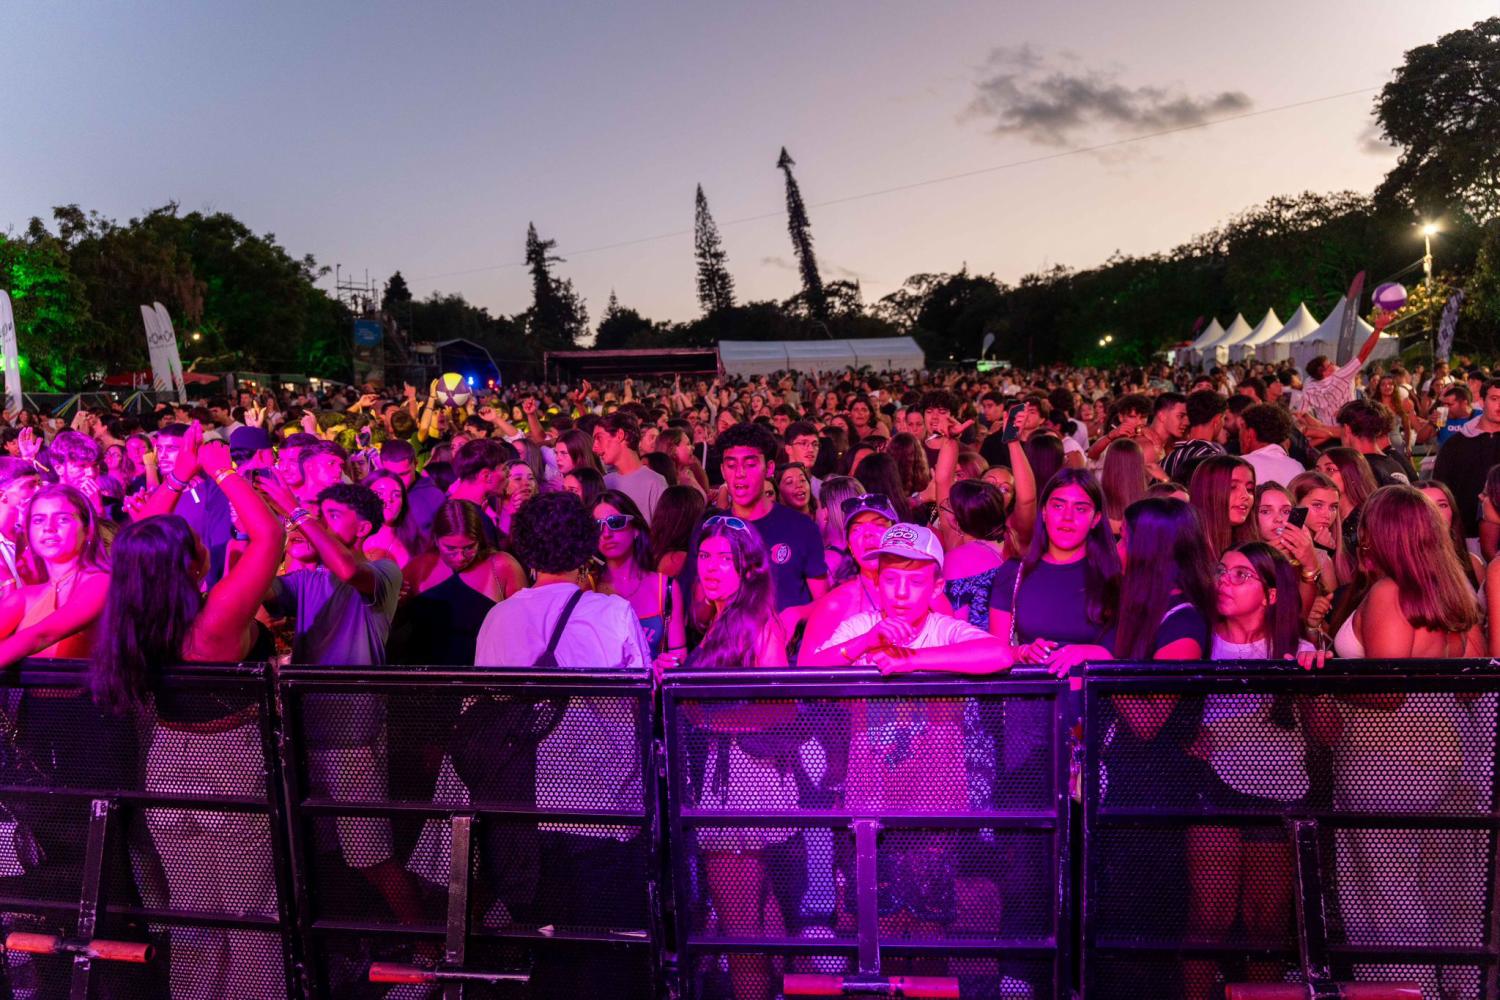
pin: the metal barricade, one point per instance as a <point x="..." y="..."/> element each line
<point x="1260" y="823"/>
<point x="478" y="831"/>
<point x="143" y="853"/>
<point x="836" y="833"/>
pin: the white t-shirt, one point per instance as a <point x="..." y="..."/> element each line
<point x="937" y="630"/>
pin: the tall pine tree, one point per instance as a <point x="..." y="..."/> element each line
<point x="715" y="286"/>
<point x="797" y="224"/>
<point x="557" y="314"/>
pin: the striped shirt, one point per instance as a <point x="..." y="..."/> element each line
<point x="1185" y="456"/>
<point x="1326" y="396"/>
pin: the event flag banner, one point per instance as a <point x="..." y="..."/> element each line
<point x="1349" y="322"/>
<point x="161" y="371"/>
<point x="10" y="357"/>
<point x="169" y="349"/>
<point x="1449" y="325"/>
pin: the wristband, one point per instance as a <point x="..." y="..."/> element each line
<point x="222" y="475"/>
<point x="169" y="484"/>
<point x="298" y="516"/>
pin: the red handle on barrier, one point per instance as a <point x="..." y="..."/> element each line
<point x="392" y="972"/>
<point x="809" y="984"/>
<point x="99" y="948"/>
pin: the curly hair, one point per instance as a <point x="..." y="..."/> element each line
<point x="360" y="499"/>
<point x="554" y="533"/>
<point x="749" y="436"/>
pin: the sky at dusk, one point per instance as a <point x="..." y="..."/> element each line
<point x="423" y="137"/>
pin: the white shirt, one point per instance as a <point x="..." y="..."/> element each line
<point x="1273" y="465"/>
<point x="1324" y="397"/>
<point x="596" y="736"/>
<point x="937" y="630"/>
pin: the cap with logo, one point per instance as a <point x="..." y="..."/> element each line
<point x="911" y="541"/>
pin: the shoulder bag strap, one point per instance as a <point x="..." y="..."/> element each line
<point x="562" y="623"/>
<point x="1015" y="605"/>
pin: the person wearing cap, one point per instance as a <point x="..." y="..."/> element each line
<point x="251" y="448"/>
<point x="866" y="518"/>
<point x="907" y="632"/>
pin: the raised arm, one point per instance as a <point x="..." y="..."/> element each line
<point x="218" y="632"/>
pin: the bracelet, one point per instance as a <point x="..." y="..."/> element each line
<point x="1311" y="576"/>
<point x="298" y="516"/>
<point x="176" y="482"/>
<point x="222" y="475"/>
<point x="168" y="483"/>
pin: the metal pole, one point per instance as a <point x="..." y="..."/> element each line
<point x="1427" y="261"/>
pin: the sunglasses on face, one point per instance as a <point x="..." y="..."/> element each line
<point x="614" y="522"/>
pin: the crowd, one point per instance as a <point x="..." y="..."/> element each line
<point x="935" y="522"/>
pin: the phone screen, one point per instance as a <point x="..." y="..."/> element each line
<point x="1298" y="516"/>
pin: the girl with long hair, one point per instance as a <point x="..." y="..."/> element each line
<point x="835" y="490"/>
<point x="1442" y="498"/>
<point x="625" y="547"/>
<point x="520" y="485"/>
<point x="675" y="443"/>
<point x="585" y="483"/>
<point x="678" y="511"/>
<point x="1045" y="454"/>
<point x="1352" y="474"/>
<point x="452" y="587"/>
<point x="862" y="420"/>
<point x="1320" y="495"/>
<point x="748" y="767"/>
<point x="1123" y="478"/>
<point x="64" y="556"/>
<point x="1272" y="523"/>
<point x="1223" y="492"/>
<point x="969" y="567"/>
<point x="398" y="535"/>
<point x="156" y="615"/>
<point x="574" y="450"/>
<point x="878" y="474"/>
<point x="912" y="467"/>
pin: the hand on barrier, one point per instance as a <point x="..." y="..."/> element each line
<point x="1065" y="659"/>
<point x="1311" y="659"/>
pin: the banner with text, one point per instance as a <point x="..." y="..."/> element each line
<point x="10" y="358"/>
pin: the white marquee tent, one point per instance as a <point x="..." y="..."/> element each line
<point x="1226" y="348"/>
<point x="1325" y="339"/>
<point x="1278" y="346"/>
<point x="1264" y="331"/>
<point x="1217" y="352"/>
<point x="762" y="357"/>
<point x="1189" y="355"/>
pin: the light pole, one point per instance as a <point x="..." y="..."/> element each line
<point x="1428" y="230"/>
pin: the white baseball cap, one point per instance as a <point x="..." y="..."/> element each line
<point x="911" y="541"/>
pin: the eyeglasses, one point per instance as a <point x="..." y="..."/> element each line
<point x="614" y="522"/>
<point x="1237" y="575"/>
<point x="732" y="523"/>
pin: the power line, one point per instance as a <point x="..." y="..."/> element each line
<point x="945" y="179"/>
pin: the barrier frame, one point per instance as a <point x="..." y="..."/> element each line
<point x="107" y="806"/>
<point x="456" y="934"/>
<point x="1314" y="952"/>
<point x="855" y="684"/>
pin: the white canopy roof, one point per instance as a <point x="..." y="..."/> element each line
<point x="1278" y="346"/>
<point x="1325" y="339"/>
<point x="761" y="357"/>
<point x="1217" y="352"/>
<point x="1267" y="328"/>
<point x="1191" y="354"/>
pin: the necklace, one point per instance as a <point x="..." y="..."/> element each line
<point x="60" y="598"/>
<point x="639" y="581"/>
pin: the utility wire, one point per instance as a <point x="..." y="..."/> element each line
<point x="945" y="179"/>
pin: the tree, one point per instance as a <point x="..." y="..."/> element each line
<point x="52" y="311"/>
<point x="797" y="223"/>
<point x="622" y="328"/>
<point x="396" y="300"/>
<point x="715" y="286"/>
<point x="557" y="316"/>
<point x="1443" y="110"/>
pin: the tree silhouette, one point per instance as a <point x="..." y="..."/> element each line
<point x="396" y="299"/>
<point x="797" y="224"/>
<point x="557" y="315"/>
<point x="715" y="286"/>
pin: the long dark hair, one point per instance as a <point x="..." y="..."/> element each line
<point x="878" y="474"/>
<point x="580" y="450"/>
<point x="1283" y="624"/>
<point x="153" y="601"/>
<point x="92" y="552"/>
<point x="1167" y="561"/>
<point x="678" y="511"/>
<point x="408" y="531"/>
<point x="911" y="462"/>
<point x="1101" y="557"/>
<point x="1209" y="488"/>
<point x="978" y="509"/>
<point x="1045" y="454"/>
<point x="1455" y="527"/>
<point x="730" y="640"/>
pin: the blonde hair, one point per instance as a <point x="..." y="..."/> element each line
<point x="1401" y="538"/>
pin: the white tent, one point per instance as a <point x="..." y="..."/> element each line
<point x="1277" y="347"/>
<point x="1325" y="339"/>
<point x="1189" y="355"/>
<point x="762" y="357"/>
<point x="1217" y="353"/>
<point x="1229" y="350"/>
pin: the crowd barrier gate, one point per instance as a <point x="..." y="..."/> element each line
<point x="837" y="834"/>
<point x="488" y="833"/>
<point x="1244" y="822"/>
<point x="115" y="880"/>
<point x="403" y="834"/>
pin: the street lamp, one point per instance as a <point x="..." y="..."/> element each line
<point x="197" y="336"/>
<point x="1429" y="229"/>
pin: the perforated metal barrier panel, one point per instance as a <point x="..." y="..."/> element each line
<point x="827" y="826"/>
<point x="1255" y="825"/>
<point x="496" y="825"/>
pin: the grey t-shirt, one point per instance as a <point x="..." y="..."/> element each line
<point x="644" y="486"/>
<point x="337" y="626"/>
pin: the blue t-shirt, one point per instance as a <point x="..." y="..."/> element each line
<point x="1053" y="602"/>
<point x="794" y="547"/>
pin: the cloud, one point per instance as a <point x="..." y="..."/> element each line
<point x="1050" y="100"/>
<point x="1370" y="141"/>
<point x="824" y="267"/>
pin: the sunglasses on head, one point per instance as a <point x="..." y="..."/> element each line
<point x="878" y="502"/>
<point x="730" y="522"/>
<point x="614" y="522"/>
